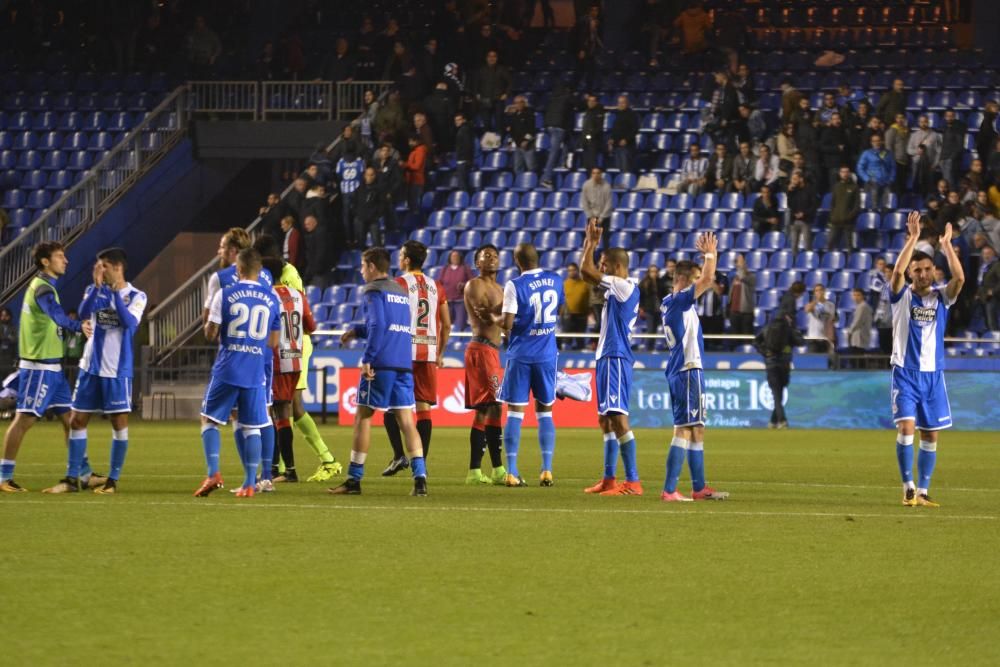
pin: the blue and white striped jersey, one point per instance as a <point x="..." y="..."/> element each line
<point x="115" y="315"/>
<point x="621" y="310"/>
<point x="350" y="172"/>
<point x="682" y="329"/>
<point x="225" y="277"/>
<point x="918" y="324"/>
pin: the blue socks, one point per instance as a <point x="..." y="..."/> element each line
<point x="356" y="470"/>
<point x="77" y="450"/>
<point x="212" y="442"/>
<point x="418" y="466"/>
<point x="926" y="458"/>
<point x="6" y="469"/>
<point x="266" y="451"/>
<point x="251" y="448"/>
<point x="546" y="439"/>
<point x="119" y="447"/>
<point x="904" y="456"/>
<point x="512" y="440"/>
<point x="675" y="463"/>
<point x="610" y="455"/>
<point x="240" y="442"/>
<point x="627" y="444"/>
<point x="696" y="462"/>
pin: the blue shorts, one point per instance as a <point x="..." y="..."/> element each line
<point x="94" y="393"/>
<point x="389" y="390"/>
<point x="922" y="397"/>
<point x="37" y="391"/>
<point x="250" y="404"/>
<point x="520" y="378"/>
<point x="614" y="382"/>
<point x="687" y="398"/>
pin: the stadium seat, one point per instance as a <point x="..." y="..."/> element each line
<point x="489" y="220"/>
<point x="480" y="201"/>
<point x="531" y="201"/>
<point x="538" y="220"/>
<point x="438" y="220"/>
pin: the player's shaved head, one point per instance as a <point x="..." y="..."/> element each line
<point x="526" y="256"/>
<point x="616" y="259"/>
<point x="248" y="263"/>
<point x="416" y="253"/>
<point x="377" y="257"/>
<point x="267" y="246"/>
<point x="236" y="237"/>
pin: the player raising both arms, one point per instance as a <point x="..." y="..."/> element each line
<point x="114" y="308"/>
<point x="685" y="376"/>
<point x="614" y="362"/>
<point x="245" y="319"/>
<point x="482" y="367"/>
<point x="919" y="396"/>
<point x="431" y="324"/>
<point x="41" y="384"/>
<point x="531" y="304"/>
<point x="386" y="370"/>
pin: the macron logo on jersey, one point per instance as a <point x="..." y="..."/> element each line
<point x="401" y="300"/>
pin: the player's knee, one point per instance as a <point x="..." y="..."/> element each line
<point x="207" y="425"/>
<point x="77" y="421"/>
<point x="928" y="442"/>
<point x="120" y="433"/>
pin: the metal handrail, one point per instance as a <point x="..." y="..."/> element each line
<point x="297" y="97"/>
<point x="80" y="207"/>
<point x="350" y="95"/>
<point x="224" y="97"/>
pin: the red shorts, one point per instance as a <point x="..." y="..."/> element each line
<point x="482" y="375"/>
<point x="283" y="386"/>
<point x="425" y="382"/>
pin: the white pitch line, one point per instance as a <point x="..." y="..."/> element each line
<point x="924" y="515"/>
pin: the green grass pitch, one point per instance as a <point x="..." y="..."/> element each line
<point x="812" y="560"/>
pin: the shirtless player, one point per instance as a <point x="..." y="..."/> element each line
<point x="483" y="301"/>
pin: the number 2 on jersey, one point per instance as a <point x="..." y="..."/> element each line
<point x="242" y="314"/>
<point x="551" y="300"/>
<point x="423" y="313"/>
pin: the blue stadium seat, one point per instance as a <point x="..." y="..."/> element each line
<point x="506" y="201"/>
<point x="807" y="259"/>
<point x="772" y="241"/>
<point x="25" y="141"/>
<point x="551" y="260"/>
<point x="765" y="278"/>
<point x="714" y="220"/>
<point x="781" y="260"/>
<point x="13" y="199"/>
<point x="867" y="222"/>
<point x="662" y="221"/>
<point x="495" y="237"/>
<point x="480" y="201"/>
<point x="859" y="261"/>
<point x="655" y="258"/>
<point x="786" y="278"/>
<point x="563" y="220"/>
<point x="630" y="201"/>
<point x="50" y="141"/>
<point x="78" y="141"/>
<point x="500" y="182"/>
<point x="29" y="160"/>
<point x="842" y="280"/>
<point x="618" y="220"/>
<point x="833" y="260"/>
<point x="494" y="161"/>
<point x="688" y="221"/>
<point x="438" y="220"/>
<point x="489" y="220"/>
<point x="731" y="201"/>
<point x="739" y="220"/>
<point x="573" y="182"/>
<point x="95" y="122"/>
<point x="637" y="221"/>
<point x="102" y="141"/>
<point x="625" y="182"/>
<point x="444" y="238"/>
<point x="457" y="201"/>
<point x="816" y="277"/>
<point x="680" y="202"/>
<point x="727" y="260"/>
<point x="531" y="201"/>
<point x="706" y="201"/>
<point x="746" y="240"/>
<point x="769" y="299"/>
<point x="845" y="304"/>
<point x="313" y="294"/>
<point x="45" y="121"/>
<point x="524" y="182"/>
<point x="38" y="199"/>
<point x="538" y="220"/>
<point x="506" y="275"/>
<point x="425" y="236"/>
<point x="342" y="314"/>
<point x="8" y="160"/>
<point x="514" y="221"/>
<point x="468" y="240"/>
<point x="555" y="202"/>
<point x="893" y="222"/>
<point x="672" y="241"/>
<point x="655" y="202"/>
<point x="463" y="219"/>
<point x="545" y="240"/>
<point x="35" y="180"/>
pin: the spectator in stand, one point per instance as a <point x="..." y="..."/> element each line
<point x="203" y="48"/>
<point x="654" y="20"/>
<point x="694" y="171"/>
<point x="976" y="177"/>
<point x="765" y="215"/>
<point x="348" y="143"/>
<point x="828" y="109"/>
<point x="743" y="82"/>
<point x="271" y="214"/>
<point x="291" y="243"/>
<point x="598" y="297"/>
<point x="883" y="312"/>
<point x="422" y="128"/>
<point x="743" y="169"/>
<point x="765" y="170"/>
<point x="415" y="169"/>
<point x="742" y="297"/>
<point x="952" y="147"/>
<point x="341" y="65"/>
<point x="859" y="331"/>
<point x="296" y="200"/>
<point x="592" y="132"/>
<point x="623" y="134"/>
<point x="693" y="24"/>
<point x="390" y="185"/>
<point x="318" y="204"/>
<point x="845" y="205"/>
<point x="366" y="123"/>
<point x="952" y="211"/>
<point x="924" y="149"/>
<point x="876" y="281"/>
<point x="877" y="172"/>
<point x="785" y="146"/>
<point x="349" y="172"/>
<point x="522" y="131"/>
<point x="788" y="305"/>
<point x="453" y="277"/>
<point x="720" y="170"/>
<point x="652" y="289"/>
<point x="596" y="200"/>
<point x="986" y="138"/>
<point x="491" y="87"/>
<point x="821" y="313"/>
<point x="558" y="121"/>
<point x="8" y="342"/>
<point x="465" y="150"/>
<point x="988" y="283"/>
<point x="267" y="64"/>
<point x="801" y="213"/>
<point x="390" y="121"/>
<point x="577" y="306"/>
<point x="897" y="141"/>
<point x="790" y="97"/>
<point x="859" y="130"/>
<point x="314" y="240"/>
<point x="834" y="148"/>
<point x="722" y="109"/>
<point x="892" y="103"/>
<point x="368" y="208"/>
<point x="440" y="112"/>
<point x="710" y="310"/>
<point x="588" y="45"/>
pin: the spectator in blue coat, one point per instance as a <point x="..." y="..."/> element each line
<point x="877" y="172"/>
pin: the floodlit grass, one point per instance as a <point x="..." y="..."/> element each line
<point x="812" y="559"/>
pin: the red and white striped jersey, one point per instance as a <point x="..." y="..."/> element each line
<point x="296" y="320"/>
<point x="426" y="299"/>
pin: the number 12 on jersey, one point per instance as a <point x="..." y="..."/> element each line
<point x="550" y="299"/>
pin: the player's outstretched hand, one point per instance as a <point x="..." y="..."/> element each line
<point x="367" y="372"/>
<point x="946" y="237"/>
<point x="913" y="224"/>
<point x="594" y="232"/>
<point x="98" y="273"/>
<point x="347" y="337"/>
<point x="88" y="328"/>
<point x="706" y="243"/>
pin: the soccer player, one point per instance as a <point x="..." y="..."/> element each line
<point x="614" y="362"/>
<point x="114" y="308"/>
<point x="531" y="304"/>
<point x="685" y="377"/>
<point x="296" y="323"/>
<point x="41" y="383"/>
<point x="919" y="395"/>
<point x="386" y="370"/>
<point x="431" y="324"/>
<point x="482" y="368"/>
<point x="245" y="319"/>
